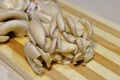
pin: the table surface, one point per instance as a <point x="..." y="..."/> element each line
<point x="103" y="8"/>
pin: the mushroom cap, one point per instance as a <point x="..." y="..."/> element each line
<point x="18" y="27"/>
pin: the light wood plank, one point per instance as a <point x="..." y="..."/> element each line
<point x="107" y="63"/>
<point x="69" y="73"/>
<point x="107" y="54"/>
<point x="87" y="72"/>
<point x="101" y="70"/>
<point x="107" y="36"/>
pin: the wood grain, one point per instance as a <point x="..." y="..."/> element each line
<point x="104" y="66"/>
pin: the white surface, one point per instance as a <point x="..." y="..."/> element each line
<point x="7" y="73"/>
<point x="108" y="9"/>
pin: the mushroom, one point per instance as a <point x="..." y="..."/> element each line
<point x="32" y="55"/>
<point x="72" y="25"/>
<point x="31" y="38"/>
<point x="67" y="48"/>
<point x="48" y="44"/>
<point x="2" y="6"/>
<point x="43" y="17"/>
<point x="8" y="14"/>
<point x="53" y="26"/>
<point x="13" y="4"/>
<point x="70" y="38"/>
<point x="4" y="38"/>
<point x="46" y="57"/>
<point x="46" y="27"/>
<point x="59" y="45"/>
<point x="88" y="55"/>
<point x="78" y="57"/>
<point x="79" y="42"/>
<point x="58" y="34"/>
<point x="18" y="27"/>
<point x="79" y="28"/>
<point x="53" y="46"/>
<point x="67" y="29"/>
<point x="48" y="7"/>
<point x="66" y="60"/>
<point x="38" y="33"/>
<point x="86" y="44"/>
<point x="60" y="22"/>
<point x="88" y="27"/>
<point x="85" y="35"/>
<point x="26" y="4"/>
<point x="57" y="57"/>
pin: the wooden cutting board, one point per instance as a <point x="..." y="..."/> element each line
<point x="104" y="66"/>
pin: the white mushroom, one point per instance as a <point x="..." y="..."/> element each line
<point x="2" y="6"/>
<point x="46" y="27"/>
<point x="26" y="4"/>
<point x="67" y="29"/>
<point x="19" y="27"/>
<point x="43" y="17"/>
<point x="48" y="7"/>
<point x="46" y="57"/>
<point x="13" y="4"/>
<point x="79" y="28"/>
<point x="58" y="34"/>
<point x="69" y="37"/>
<point x="59" y="45"/>
<point x="53" y="26"/>
<point x="53" y="46"/>
<point x="67" y="48"/>
<point x="66" y="60"/>
<point x="31" y="38"/>
<point x="80" y="44"/>
<point x="38" y="33"/>
<point x="85" y="35"/>
<point x="32" y="55"/>
<point x="72" y="25"/>
<point x="12" y="14"/>
<point x="76" y="50"/>
<point x="88" y="27"/>
<point x="4" y="38"/>
<point x="60" y="22"/>
<point x="86" y="44"/>
<point x="48" y="44"/>
<point x="57" y="58"/>
<point x="88" y="55"/>
<point x="78" y="57"/>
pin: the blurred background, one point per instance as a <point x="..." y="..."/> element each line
<point x="108" y="9"/>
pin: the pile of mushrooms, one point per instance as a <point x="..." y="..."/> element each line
<point x="13" y="18"/>
<point x="52" y="37"/>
